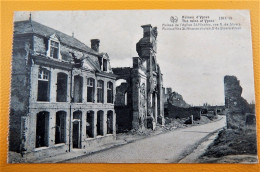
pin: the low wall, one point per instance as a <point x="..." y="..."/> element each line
<point x="91" y="143"/>
<point x="44" y="152"/>
<point x="178" y="112"/>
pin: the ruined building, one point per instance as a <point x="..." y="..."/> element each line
<point x="62" y="95"/>
<point x="176" y="99"/>
<point x="166" y="94"/>
<point x="176" y="107"/>
<point x="238" y="112"/>
<point x="139" y="97"/>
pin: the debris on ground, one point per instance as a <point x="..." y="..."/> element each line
<point x="232" y="142"/>
<point x="170" y="125"/>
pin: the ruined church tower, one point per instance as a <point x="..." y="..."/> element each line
<point x="147" y="79"/>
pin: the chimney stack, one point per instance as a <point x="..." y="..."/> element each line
<point x="95" y="44"/>
<point x="147" y="30"/>
<point x="30" y="16"/>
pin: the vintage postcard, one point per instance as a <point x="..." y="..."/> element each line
<point x="132" y="86"/>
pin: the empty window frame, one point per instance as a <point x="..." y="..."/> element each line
<point x="76" y="129"/>
<point x="60" y="129"/>
<point x="109" y="92"/>
<point x="100" y="119"/>
<point x="90" y="124"/>
<point x="78" y="87"/>
<point x="104" y="64"/>
<point x="110" y="122"/>
<point x="62" y="84"/>
<point x="43" y="93"/>
<point x="42" y="129"/>
<point x="100" y="91"/>
<point x="90" y="89"/>
<point x="54" y="49"/>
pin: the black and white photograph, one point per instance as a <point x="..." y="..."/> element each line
<point x="132" y="86"/>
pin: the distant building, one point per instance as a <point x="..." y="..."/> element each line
<point x="139" y="95"/>
<point x="62" y="95"/>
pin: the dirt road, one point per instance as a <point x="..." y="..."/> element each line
<point x="164" y="148"/>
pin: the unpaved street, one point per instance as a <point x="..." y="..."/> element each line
<point x="164" y="148"/>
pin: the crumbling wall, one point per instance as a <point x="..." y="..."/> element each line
<point x="176" y="99"/>
<point x="123" y="99"/>
<point x="176" y="107"/>
<point x="122" y="71"/>
<point x="19" y="91"/>
<point x="236" y="106"/>
<point x="121" y="92"/>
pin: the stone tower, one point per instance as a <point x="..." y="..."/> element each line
<point x="147" y="79"/>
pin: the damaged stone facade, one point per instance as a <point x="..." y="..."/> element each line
<point x="139" y="99"/>
<point x="238" y="112"/>
<point x="62" y="95"/>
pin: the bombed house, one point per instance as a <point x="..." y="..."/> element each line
<point x="62" y="95"/>
<point x="139" y="95"/>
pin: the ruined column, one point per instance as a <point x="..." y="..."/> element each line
<point x="146" y="49"/>
<point x="135" y="94"/>
<point x="151" y="122"/>
<point x="160" y="98"/>
<point x="156" y="109"/>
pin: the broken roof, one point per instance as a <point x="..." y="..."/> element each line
<point x="29" y="26"/>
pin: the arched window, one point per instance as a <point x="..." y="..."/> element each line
<point x="76" y="129"/>
<point x="110" y="122"/>
<point x="60" y="129"/>
<point x="42" y="129"/>
<point x="43" y="93"/>
<point x="54" y="49"/>
<point x="78" y="84"/>
<point x="62" y="84"/>
<point x="100" y="119"/>
<point x="90" y="89"/>
<point x="105" y="65"/>
<point x="100" y="91"/>
<point x="90" y="124"/>
<point x="109" y="92"/>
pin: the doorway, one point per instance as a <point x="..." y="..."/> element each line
<point x="76" y="129"/>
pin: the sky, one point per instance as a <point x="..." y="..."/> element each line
<point x="193" y="63"/>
